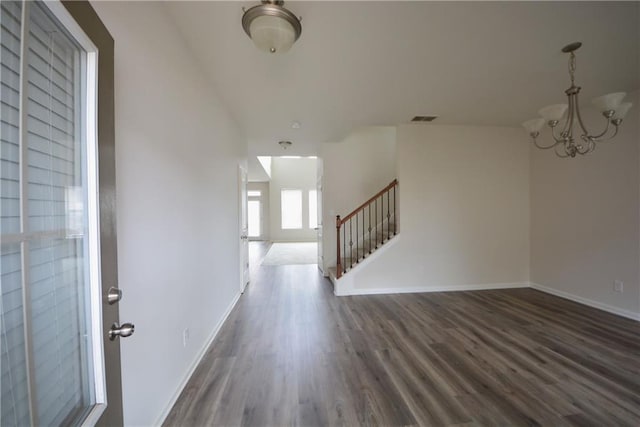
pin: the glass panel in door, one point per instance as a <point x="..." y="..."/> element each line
<point x="51" y="369"/>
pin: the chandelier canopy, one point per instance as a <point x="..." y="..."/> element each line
<point x="564" y="142"/>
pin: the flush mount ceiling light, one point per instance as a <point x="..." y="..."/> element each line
<point x="611" y="106"/>
<point x="271" y="26"/>
<point x="285" y="144"/>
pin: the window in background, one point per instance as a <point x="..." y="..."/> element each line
<point x="313" y="209"/>
<point x="254" y="193"/>
<point x="291" y="209"/>
<point x="254" y="218"/>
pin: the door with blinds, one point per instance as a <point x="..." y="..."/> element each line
<point x="57" y="218"/>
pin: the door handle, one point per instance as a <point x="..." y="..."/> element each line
<point x="126" y="330"/>
<point x="114" y="295"/>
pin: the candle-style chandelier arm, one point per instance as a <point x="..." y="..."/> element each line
<point x="585" y="149"/>
<point x="542" y="147"/>
<point x="598" y="138"/>
<point x="564" y="135"/>
<point x="561" y="155"/>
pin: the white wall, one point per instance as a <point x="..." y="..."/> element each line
<point x="584" y="218"/>
<point x="464" y="212"/>
<point x="291" y="174"/>
<point x="354" y="170"/>
<point x="177" y="153"/>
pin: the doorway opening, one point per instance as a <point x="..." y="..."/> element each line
<point x="284" y="201"/>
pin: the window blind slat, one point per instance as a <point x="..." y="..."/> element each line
<point x="40" y="79"/>
<point x="42" y="66"/>
<point x="40" y="96"/>
<point x="61" y="149"/>
<point x="41" y="46"/>
<point x="48" y="132"/>
<point x="48" y="114"/>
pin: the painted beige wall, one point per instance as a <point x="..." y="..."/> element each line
<point x="177" y="154"/>
<point x="464" y="202"/>
<point x="585" y="219"/>
<point x="354" y="170"/>
<point x="286" y="173"/>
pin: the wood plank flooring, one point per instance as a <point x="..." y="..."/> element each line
<point x="291" y="353"/>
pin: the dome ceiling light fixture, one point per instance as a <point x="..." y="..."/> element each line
<point x="611" y="106"/>
<point x="271" y="26"/>
<point x="285" y="144"/>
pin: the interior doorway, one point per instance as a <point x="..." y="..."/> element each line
<point x="284" y="207"/>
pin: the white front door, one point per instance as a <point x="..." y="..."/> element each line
<point x="58" y="255"/>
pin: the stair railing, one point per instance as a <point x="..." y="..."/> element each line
<point x="368" y="221"/>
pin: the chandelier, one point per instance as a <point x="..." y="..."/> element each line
<point x="271" y="26"/>
<point x="564" y="143"/>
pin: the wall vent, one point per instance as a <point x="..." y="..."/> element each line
<point x="424" y="118"/>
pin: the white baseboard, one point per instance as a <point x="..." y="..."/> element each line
<point x="196" y="362"/>
<point x="426" y="289"/>
<point x="604" y="307"/>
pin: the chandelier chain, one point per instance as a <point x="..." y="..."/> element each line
<point x="572" y="67"/>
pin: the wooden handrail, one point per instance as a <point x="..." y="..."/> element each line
<point x="367" y="203"/>
<point x="339" y="263"/>
<point x="372" y="226"/>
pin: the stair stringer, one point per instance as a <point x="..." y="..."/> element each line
<point x="345" y="285"/>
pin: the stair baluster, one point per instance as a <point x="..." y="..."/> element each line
<point x="374" y="229"/>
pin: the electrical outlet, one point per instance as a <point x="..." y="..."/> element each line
<point x="185" y="337"/>
<point x="618" y="286"/>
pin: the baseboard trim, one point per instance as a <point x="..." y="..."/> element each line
<point x="163" y="416"/>
<point x="585" y="301"/>
<point x="425" y="289"/>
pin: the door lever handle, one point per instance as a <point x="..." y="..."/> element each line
<point x="126" y="330"/>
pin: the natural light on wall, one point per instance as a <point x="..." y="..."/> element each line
<point x="254" y="218"/>
<point x="291" y="208"/>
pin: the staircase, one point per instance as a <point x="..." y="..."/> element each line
<point x="366" y="229"/>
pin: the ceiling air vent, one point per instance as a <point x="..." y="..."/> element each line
<point x="424" y="118"/>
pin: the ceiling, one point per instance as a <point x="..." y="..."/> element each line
<point x="380" y="63"/>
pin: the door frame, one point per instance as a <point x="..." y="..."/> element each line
<point x="88" y="20"/>
<point x="319" y="206"/>
<point x="243" y="226"/>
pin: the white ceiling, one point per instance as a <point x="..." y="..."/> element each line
<point x="381" y="63"/>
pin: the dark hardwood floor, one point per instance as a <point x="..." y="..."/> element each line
<point x="291" y="353"/>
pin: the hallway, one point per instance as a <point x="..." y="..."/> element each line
<point x="292" y="353"/>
